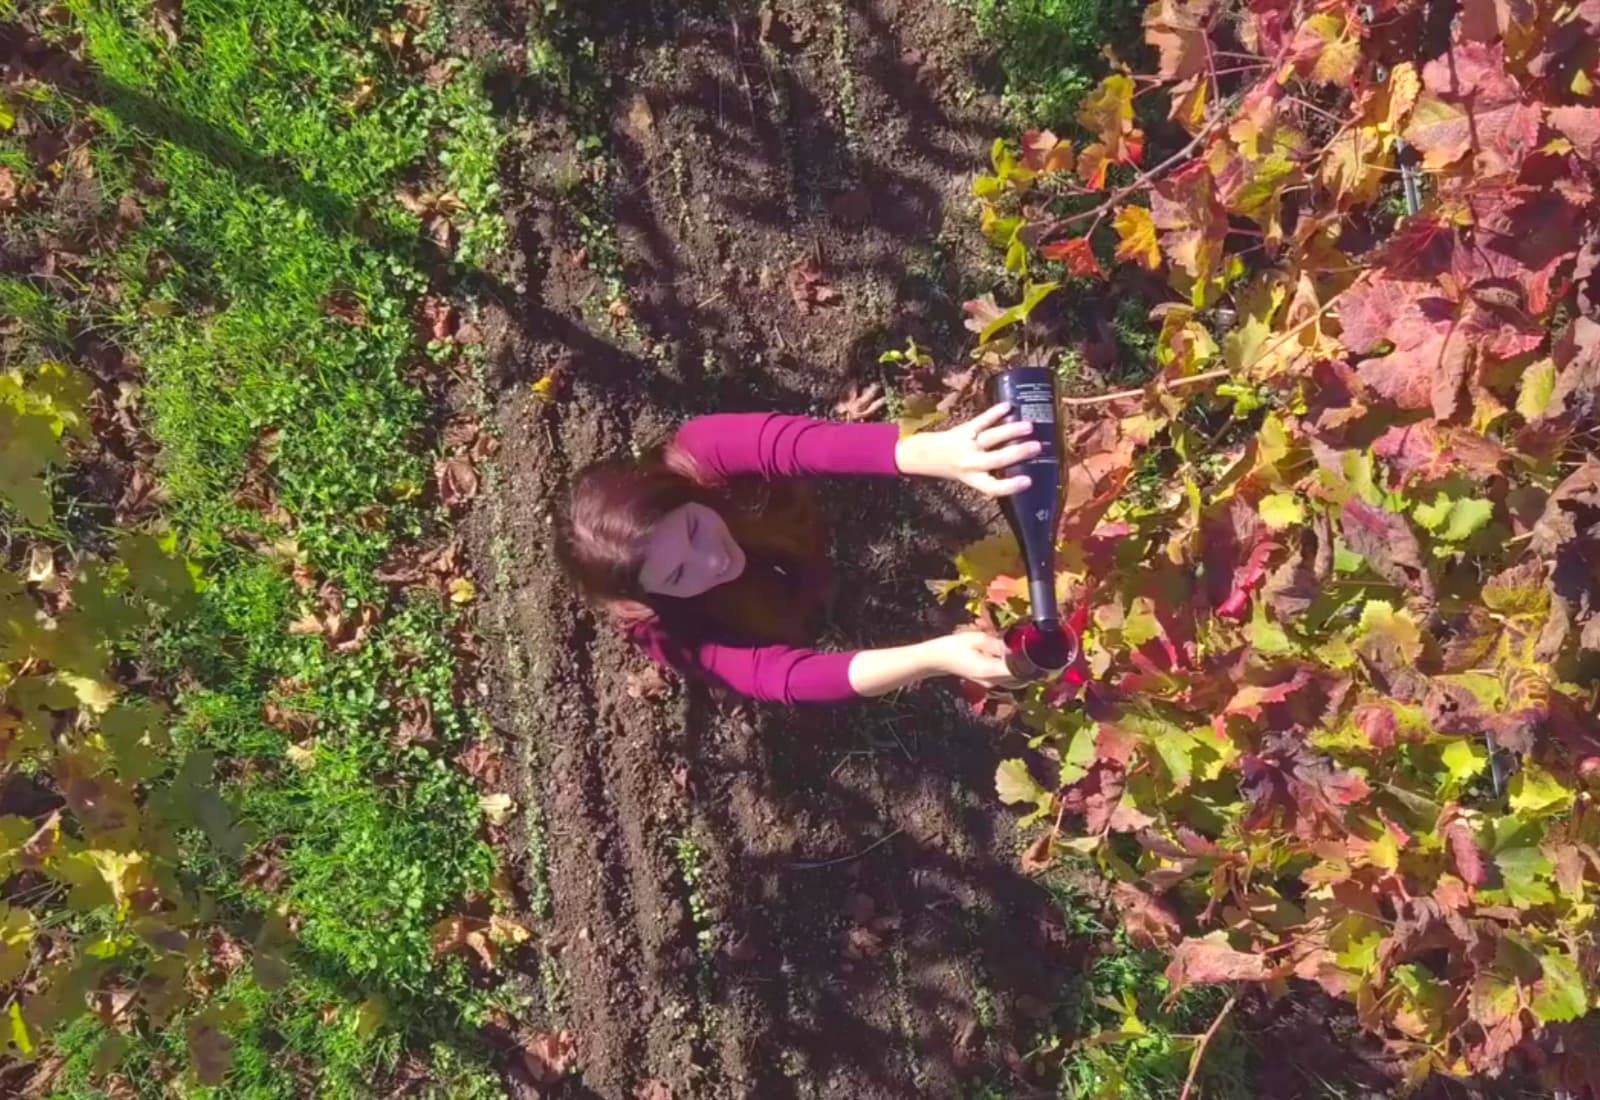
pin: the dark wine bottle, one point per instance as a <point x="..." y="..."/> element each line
<point x="1043" y="645"/>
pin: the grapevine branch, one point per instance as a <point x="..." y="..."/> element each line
<point x="1205" y="1041"/>
<point x="1150" y="175"/>
<point x="1104" y="398"/>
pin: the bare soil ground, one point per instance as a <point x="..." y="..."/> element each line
<point x="735" y="146"/>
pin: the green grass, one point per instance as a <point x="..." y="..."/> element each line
<point x="267" y="177"/>
<point x="1049" y="52"/>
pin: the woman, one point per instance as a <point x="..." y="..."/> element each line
<point x="708" y="550"/>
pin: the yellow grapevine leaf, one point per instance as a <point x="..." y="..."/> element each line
<point x="16" y="940"/>
<point x="1280" y="510"/>
<point x="1107" y="113"/>
<point x="1337" y="50"/>
<point x="1136" y="237"/>
<point x="93" y="695"/>
<point x="19" y="1030"/>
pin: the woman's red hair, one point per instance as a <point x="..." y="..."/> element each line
<point x="616" y="505"/>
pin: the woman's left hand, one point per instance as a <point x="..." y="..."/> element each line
<point x="973" y="452"/>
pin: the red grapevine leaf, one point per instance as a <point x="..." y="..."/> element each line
<point x="1581" y="126"/>
<point x="1472" y="104"/>
<point x="1289" y="783"/>
<point x="1176" y="29"/>
<point x="1432" y="352"/>
<point x="1202" y="962"/>
<point x="1378" y="723"/>
<point x="1577" y="357"/>
<point x="1076" y="254"/>
<point x="1236" y="548"/>
<point x="1465" y="853"/>
<point x="1192" y="223"/>
<point x="1387" y="543"/>
<point x="1149" y="921"/>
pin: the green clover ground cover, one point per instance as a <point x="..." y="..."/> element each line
<point x="266" y="141"/>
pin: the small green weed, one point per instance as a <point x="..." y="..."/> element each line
<point x="690" y="857"/>
<point x="1050" y="52"/>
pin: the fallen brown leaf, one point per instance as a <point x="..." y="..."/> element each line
<point x="227" y="954"/>
<point x="548" y="1055"/>
<point x="364" y="92"/>
<point x="652" y="1089"/>
<point x="342" y="305"/>
<point x="458" y="481"/>
<point x="646" y="683"/>
<point x="482" y="761"/>
<point x="455" y="932"/>
<point x="862" y="943"/>
<point x="439" y="319"/>
<point x="110" y="1004"/>
<point x="415" y="724"/>
<point x="641" y="120"/>
<point x="807" y="287"/>
<point x="503" y="929"/>
<point x="460" y="434"/>
<point x="861" y="402"/>
<point x="1040" y="854"/>
<point x="169" y="19"/>
<point x="291" y="720"/>
<point x="497" y="807"/>
<point x="8" y="189"/>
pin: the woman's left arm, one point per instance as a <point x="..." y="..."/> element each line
<point x="972" y="453"/>
<point x="772" y="445"/>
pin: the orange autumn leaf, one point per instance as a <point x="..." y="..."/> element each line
<point x="1077" y="254"/>
<point x="1107" y="113"/>
<point x="1043" y="152"/>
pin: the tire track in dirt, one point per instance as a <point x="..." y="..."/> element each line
<point x="904" y="971"/>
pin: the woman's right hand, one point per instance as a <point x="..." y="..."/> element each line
<point x="976" y="656"/>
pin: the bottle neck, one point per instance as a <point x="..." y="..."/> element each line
<point x="1042" y="598"/>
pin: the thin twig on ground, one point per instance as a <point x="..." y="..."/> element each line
<point x="880" y="842"/>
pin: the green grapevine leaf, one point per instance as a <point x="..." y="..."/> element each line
<point x="1559" y="995"/>
<point x="1015" y="784"/>
<point x="1537" y="793"/>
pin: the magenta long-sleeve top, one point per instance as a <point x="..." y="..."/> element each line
<point x="771" y="446"/>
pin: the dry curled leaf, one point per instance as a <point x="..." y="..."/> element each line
<point x="415" y="721"/>
<point x="646" y="683"/>
<point x="807" y="286"/>
<point x="496" y="807"/>
<point x="458" y="481"/>
<point x="861" y="403"/>
<point x="549" y="1055"/>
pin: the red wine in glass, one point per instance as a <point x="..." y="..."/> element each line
<point x="1042" y="645"/>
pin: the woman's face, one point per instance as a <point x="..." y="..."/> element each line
<point x="690" y="551"/>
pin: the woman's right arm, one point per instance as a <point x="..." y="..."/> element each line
<point x="971" y="655"/>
